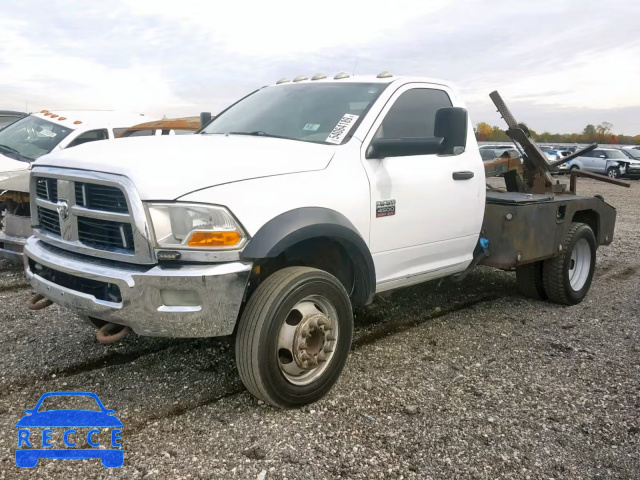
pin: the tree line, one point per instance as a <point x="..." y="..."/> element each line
<point x="591" y="133"/>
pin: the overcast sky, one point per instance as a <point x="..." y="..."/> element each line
<point x="560" y="64"/>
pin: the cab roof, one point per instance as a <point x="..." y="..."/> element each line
<point x="383" y="78"/>
<point x="75" y="119"/>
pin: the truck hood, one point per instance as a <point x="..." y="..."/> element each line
<point x="14" y="173"/>
<point x="168" y="167"/>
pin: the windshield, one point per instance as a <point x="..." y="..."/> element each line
<point x="310" y="112"/>
<point x="615" y="154"/>
<point x="30" y="138"/>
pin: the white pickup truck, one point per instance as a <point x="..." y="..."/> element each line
<point x="301" y="200"/>
<point x="27" y="139"/>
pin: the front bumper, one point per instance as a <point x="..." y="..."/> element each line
<point x="633" y="171"/>
<point x="13" y="236"/>
<point x="11" y="247"/>
<point x="219" y="288"/>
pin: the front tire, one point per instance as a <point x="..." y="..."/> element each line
<point x="613" y="172"/>
<point x="294" y="337"/>
<point x="567" y="277"/>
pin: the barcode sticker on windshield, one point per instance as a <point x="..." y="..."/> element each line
<point x="342" y="128"/>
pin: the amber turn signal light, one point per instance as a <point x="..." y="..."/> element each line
<point x="214" y="239"/>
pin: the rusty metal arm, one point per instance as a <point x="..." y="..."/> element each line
<point x="573" y="181"/>
<point x="536" y="164"/>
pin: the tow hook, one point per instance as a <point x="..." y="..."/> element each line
<point x="38" y="302"/>
<point x="111" y="333"/>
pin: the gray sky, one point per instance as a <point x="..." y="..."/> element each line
<point x="560" y="64"/>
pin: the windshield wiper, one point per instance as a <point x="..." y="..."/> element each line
<point x="259" y="133"/>
<point x="8" y="149"/>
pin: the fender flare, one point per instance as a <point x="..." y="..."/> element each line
<point x="295" y="226"/>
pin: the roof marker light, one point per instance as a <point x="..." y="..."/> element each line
<point x="385" y="74"/>
<point x="44" y="111"/>
<point x="62" y="118"/>
<point x="300" y="78"/>
<point x="318" y="76"/>
<point x="282" y="80"/>
<point x="341" y="75"/>
<point x="54" y="115"/>
<point x="77" y="122"/>
<point x="47" y="114"/>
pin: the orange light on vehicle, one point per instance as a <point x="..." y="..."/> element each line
<point x="214" y="239"/>
<point x="77" y="122"/>
<point x="54" y="115"/>
<point x="44" y="111"/>
<point x="47" y="114"/>
<point x="62" y="118"/>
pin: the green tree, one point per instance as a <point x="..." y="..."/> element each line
<point x="590" y="132"/>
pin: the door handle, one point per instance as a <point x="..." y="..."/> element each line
<point x="462" y="175"/>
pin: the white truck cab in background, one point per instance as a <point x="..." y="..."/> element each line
<point x="301" y="200"/>
<point x="33" y="136"/>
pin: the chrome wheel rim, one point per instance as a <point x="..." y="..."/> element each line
<point x="307" y="340"/>
<point x="580" y="264"/>
<point x="613" y="173"/>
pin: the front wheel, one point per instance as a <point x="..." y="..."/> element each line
<point x="567" y="277"/>
<point x="613" y="172"/>
<point x="294" y="337"/>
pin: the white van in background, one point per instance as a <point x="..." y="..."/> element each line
<point x="33" y="136"/>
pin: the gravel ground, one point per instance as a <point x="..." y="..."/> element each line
<point x="445" y="381"/>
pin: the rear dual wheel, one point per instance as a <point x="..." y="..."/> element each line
<point x="566" y="278"/>
<point x="294" y="337"/>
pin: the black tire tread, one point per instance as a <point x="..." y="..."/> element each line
<point x="253" y="317"/>
<point x="529" y="283"/>
<point x="553" y="272"/>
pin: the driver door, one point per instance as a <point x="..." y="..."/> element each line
<point x="426" y="210"/>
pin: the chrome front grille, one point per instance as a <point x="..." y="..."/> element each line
<point x="105" y="235"/>
<point x="47" y="188"/>
<point x="90" y="213"/>
<point x="49" y="220"/>
<point x="101" y="197"/>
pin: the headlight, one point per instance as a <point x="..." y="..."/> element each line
<point x="183" y="225"/>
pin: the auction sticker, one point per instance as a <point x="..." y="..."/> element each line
<point x="342" y="128"/>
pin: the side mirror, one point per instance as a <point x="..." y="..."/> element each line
<point x="404" y="147"/>
<point x="205" y="117"/>
<point x="603" y="156"/>
<point x="451" y="125"/>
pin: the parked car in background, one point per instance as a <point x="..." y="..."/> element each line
<point x="492" y="153"/>
<point x="633" y="170"/>
<point x="7" y="117"/>
<point x="31" y="137"/>
<point x="497" y="147"/>
<point x="633" y="147"/>
<point x="606" y="161"/>
<point x="173" y="126"/>
<point x="631" y="153"/>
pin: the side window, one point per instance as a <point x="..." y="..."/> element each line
<point x="413" y="114"/>
<point x="596" y="153"/>
<point x="117" y="132"/>
<point x="141" y="133"/>
<point x="90" y="136"/>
